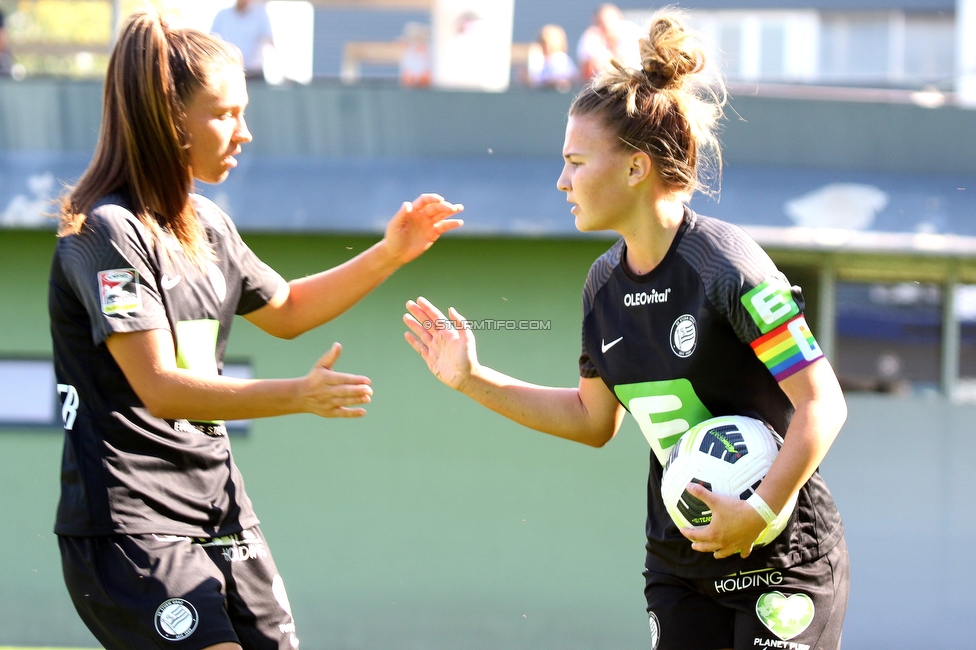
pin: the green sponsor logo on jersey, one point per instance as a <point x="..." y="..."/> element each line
<point x="770" y="306"/>
<point x="196" y="347"/>
<point x="664" y="410"/>
<point x="785" y="616"/>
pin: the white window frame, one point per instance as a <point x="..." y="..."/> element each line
<point x="28" y="393"/>
<point x="802" y="42"/>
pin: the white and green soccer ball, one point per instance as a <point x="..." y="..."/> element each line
<point x="728" y="455"/>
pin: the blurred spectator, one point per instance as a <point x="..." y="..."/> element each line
<point x="549" y="65"/>
<point x="5" y="60"/>
<point x="247" y="26"/>
<point x="415" y="60"/>
<point x="611" y="36"/>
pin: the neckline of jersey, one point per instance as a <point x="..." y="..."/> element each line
<point x="687" y="221"/>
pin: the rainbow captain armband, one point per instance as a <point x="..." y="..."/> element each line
<point x="787" y="349"/>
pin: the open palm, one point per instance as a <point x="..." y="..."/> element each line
<point x="445" y="344"/>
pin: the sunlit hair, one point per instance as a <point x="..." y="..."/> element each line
<point x="667" y="109"/>
<point x="142" y="150"/>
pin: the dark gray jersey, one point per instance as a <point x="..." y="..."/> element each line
<point x="123" y="470"/>
<point x="710" y="331"/>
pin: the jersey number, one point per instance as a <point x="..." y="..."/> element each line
<point x="69" y="405"/>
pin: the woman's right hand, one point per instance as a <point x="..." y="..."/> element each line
<point x="329" y="394"/>
<point x="443" y="341"/>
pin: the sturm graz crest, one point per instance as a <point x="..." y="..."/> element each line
<point x="655" y="629"/>
<point x="684" y="336"/>
<point x="176" y="619"/>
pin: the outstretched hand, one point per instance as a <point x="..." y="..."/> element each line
<point x="734" y="528"/>
<point x="444" y="342"/>
<point x="418" y="224"/>
<point x="329" y="394"/>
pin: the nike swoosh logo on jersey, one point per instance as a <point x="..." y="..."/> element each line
<point x="606" y="346"/>
<point x="168" y="282"/>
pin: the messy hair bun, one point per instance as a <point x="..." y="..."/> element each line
<point x="670" y="53"/>
<point x="667" y="108"/>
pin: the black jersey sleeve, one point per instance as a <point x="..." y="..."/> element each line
<point x="110" y="267"/>
<point x="259" y="282"/>
<point x="587" y="368"/>
<point x="599" y="273"/>
<point x="731" y="265"/>
<point x="744" y="285"/>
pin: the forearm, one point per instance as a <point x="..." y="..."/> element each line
<point x="181" y="394"/>
<point x="557" y="411"/>
<point x="813" y="429"/>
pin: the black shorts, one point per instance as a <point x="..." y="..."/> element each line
<point x="799" y="608"/>
<point x="178" y="593"/>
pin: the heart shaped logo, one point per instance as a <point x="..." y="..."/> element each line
<point x="785" y="616"/>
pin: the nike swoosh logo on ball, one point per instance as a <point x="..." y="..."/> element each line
<point x="606" y="346"/>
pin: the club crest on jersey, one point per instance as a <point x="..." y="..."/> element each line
<point x="655" y="625"/>
<point x="176" y="619"/>
<point x="217" y="281"/>
<point x="684" y="336"/>
<point x="118" y="291"/>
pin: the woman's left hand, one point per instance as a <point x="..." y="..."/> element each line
<point x="417" y="225"/>
<point x="734" y="528"/>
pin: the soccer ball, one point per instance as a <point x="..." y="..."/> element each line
<point x="728" y="455"/>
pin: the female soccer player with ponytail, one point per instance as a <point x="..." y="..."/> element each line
<point x="160" y="545"/>
<point x="685" y="318"/>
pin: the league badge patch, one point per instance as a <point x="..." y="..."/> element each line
<point x="176" y="619"/>
<point x="118" y="291"/>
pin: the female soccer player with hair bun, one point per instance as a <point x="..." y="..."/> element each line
<point x="159" y="543"/>
<point x="685" y="318"/>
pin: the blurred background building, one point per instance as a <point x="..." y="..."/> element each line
<point x="432" y="523"/>
<point x="913" y="44"/>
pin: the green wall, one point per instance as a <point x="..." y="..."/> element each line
<point x="435" y="524"/>
<point x="431" y="522"/>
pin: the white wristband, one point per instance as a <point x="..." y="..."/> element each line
<point x="762" y="508"/>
